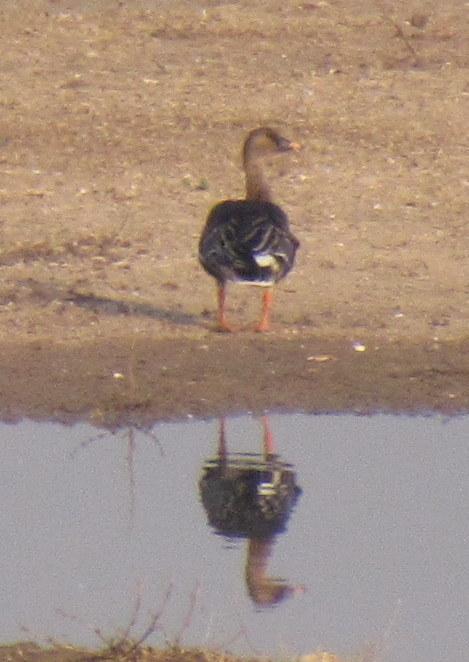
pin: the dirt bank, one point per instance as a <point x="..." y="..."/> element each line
<point x="121" y="125"/>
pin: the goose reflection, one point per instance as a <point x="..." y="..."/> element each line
<point x="251" y="495"/>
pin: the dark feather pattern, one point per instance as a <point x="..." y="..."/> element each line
<point x="247" y="240"/>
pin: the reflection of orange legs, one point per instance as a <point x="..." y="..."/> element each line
<point x="222" y="438"/>
<point x="222" y="450"/>
<point x="269" y="445"/>
<point x="267" y="299"/>
<point x="268" y="439"/>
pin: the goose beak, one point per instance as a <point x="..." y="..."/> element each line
<point x="285" y="145"/>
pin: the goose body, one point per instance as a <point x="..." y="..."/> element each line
<point x="249" y="241"/>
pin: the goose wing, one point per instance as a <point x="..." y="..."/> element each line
<point x="247" y="241"/>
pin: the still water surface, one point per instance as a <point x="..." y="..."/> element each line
<point x="92" y="522"/>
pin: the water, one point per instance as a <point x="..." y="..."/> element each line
<point x="97" y="526"/>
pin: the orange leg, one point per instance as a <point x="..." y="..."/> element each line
<point x="222" y="450"/>
<point x="267" y="299"/>
<point x="222" y="437"/>
<point x="269" y="444"/>
<point x="222" y="323"/>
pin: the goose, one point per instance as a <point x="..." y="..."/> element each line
<point x="249" y="241"/>
<point x="250" y="495"/>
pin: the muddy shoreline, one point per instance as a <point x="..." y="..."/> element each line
<point x="121" y="127"/>
<point x="141" y="381"/>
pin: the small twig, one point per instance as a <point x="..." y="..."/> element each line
<point x="151" y="628"/>
<point x="399" y="31"/>
<point x="133" y="619"/>
<point x="124" y="646"/>
<point x="83" y="445"/>
<point x="188" y="617"/>
<point x="243" y="635"/>
<point x="131" y="470"/>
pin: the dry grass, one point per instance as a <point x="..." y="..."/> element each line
<point x="128" y="652"/>
<point x="28" y="652"/>
<point x="126" y="647"/>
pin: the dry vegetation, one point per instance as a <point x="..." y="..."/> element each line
<point x="28" y="652"/>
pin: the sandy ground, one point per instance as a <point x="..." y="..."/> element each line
<point x="121" y="125"/>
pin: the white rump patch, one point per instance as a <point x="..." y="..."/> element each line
<point x="256" y="283"/>
<point x="265" y="260"/>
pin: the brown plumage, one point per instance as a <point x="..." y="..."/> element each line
<point x="249" y="241"/>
